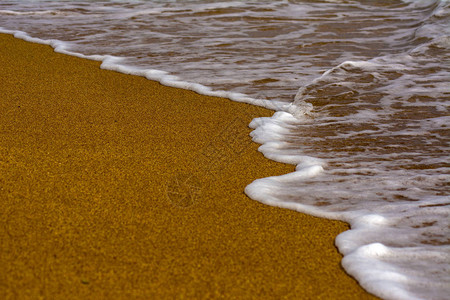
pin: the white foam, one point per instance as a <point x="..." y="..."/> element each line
<point x="28" y="13"/>
<point x="114" y="63"/>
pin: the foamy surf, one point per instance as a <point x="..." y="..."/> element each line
<point x="367" y="130"/>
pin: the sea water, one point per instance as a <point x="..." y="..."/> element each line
<point x="361" y="94"/>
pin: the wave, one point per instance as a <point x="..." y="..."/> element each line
<point x="379" y="129"/>
<point x="368" y="133"/>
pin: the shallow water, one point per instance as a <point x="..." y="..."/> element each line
<point x="361" y="90"/>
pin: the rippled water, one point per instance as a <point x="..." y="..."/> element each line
<point x="361" y="90"/>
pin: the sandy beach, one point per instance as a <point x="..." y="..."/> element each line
<point x="113" y="186"/>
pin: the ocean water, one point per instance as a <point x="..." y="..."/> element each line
<point x="360" y="92"/>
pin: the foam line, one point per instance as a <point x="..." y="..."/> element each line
<point x="114" y="63"/>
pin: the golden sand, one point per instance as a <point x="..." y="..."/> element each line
<point x="113" y="186"/>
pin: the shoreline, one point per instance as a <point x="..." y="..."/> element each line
<point x="110" y="63"/>
<point x="113" y="185"/>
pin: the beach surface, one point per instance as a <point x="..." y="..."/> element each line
<point x="113" y="186"/>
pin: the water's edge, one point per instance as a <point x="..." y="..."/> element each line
<point x="364" y="260"/>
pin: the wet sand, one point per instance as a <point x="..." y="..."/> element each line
<point x="113" y="186"/>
